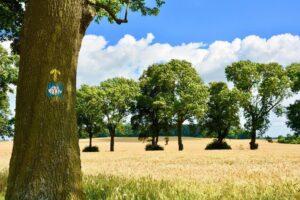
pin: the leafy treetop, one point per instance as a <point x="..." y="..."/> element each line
<point x="188" y="90"/>
<point x="294" y="74"/>
<point x="223" y="110"/>
<point x="88" y="116"/>
<point x="12" y="14"/>
<point x="293" y="115"/>
<point x="262" y="88"/>
<point x="115" y="98"/>
<point x="8" y="77"/>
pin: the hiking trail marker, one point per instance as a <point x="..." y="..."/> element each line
<point x="55" y="89"/>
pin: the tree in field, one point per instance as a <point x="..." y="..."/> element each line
<point x="8" y="77"/>
<point x="189" y="94"/>
<point x="115" y="98"/>
<point x="293" y="115"/>
<point x="153" y="111"/>
<point x="45" y="162"/>
<point x="88" y="117"/>
<point x="263" y="88"/>
<point x="293" y="110"/>
<point x="223" y="112"/>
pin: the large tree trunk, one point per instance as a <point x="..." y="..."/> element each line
<point x="112" y="139"/>
<point x="156" y="136"/>
<point x="220" y="136"/>
<point x="91" y="137"/>
<point x="252" y="143"/>
<point x="45" y="162"/>
<point x="179" y="130"/>
<point x="153" y="140"/>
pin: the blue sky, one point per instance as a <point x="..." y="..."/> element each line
<point x="208" y="21"/>
<point x="259" y="30"/>
<point x="211" y="34"/>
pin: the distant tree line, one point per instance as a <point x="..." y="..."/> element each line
<point x="125" y="130"/>
<point x="171" y="99"/>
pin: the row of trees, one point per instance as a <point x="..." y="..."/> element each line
<point x="171" y="94"/>
<point x="168" y="95"/>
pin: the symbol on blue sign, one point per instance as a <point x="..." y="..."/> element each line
<point x="55" y="90"/>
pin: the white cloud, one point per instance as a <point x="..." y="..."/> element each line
<point x="129" y="57"/>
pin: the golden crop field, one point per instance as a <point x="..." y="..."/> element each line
<point x="269" y="169"/>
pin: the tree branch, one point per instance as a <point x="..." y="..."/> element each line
<point x="98" y="6"/>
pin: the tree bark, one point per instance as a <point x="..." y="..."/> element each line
<point x="91" y="137"/>
<point x="45" y="162"/>
<point x="179" y="130"/>
<point x="153" y="140"/>
<point x="156" y="137"/>
<point x="252" y="143"/>
<point x="112" y="140"/>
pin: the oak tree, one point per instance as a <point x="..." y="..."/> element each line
<point x="153" y="111"/>
<point x="88" y="117"/>
<point x="115" y="98"/>
<point x="223" y="111"/>
<point x="263" y="88"/>
<point x="188" y="92"/>
<point x="45" y="162"/>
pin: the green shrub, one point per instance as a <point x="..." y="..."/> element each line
<point x="214" y="145"/>
<point x="156" y="147"/>
<point x="91" y="149"/>
<point x="269" y="139"/>
<point x="289" y="139"/>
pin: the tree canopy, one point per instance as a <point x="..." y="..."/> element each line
<point x="12" y="14"/>
<point x="223" y="111"/>
<point x="188" y="94"/>
<point x="110" y="9"/>
<point x="89" y="118"/>
<point x="153" y="111"/>
<point x="262" y="87"/>
<point x="294" y="74"/>
<point x="115" y="98"/>
<point x="293" y="115"/>
<point x="11" y="17"/>
<point x="8" y="77"/>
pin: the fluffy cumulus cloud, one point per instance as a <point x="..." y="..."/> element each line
<point x="130" y="56"/>
<point x="99" y="60"/>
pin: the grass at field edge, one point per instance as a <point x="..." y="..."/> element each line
<point x="114" y="188"/>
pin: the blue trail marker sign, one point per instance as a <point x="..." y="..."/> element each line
<point x="55" y="90"/>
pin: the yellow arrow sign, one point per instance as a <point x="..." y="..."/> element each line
<point x="55" y="73"/>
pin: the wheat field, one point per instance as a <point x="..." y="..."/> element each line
<point x="273" y="168"/>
